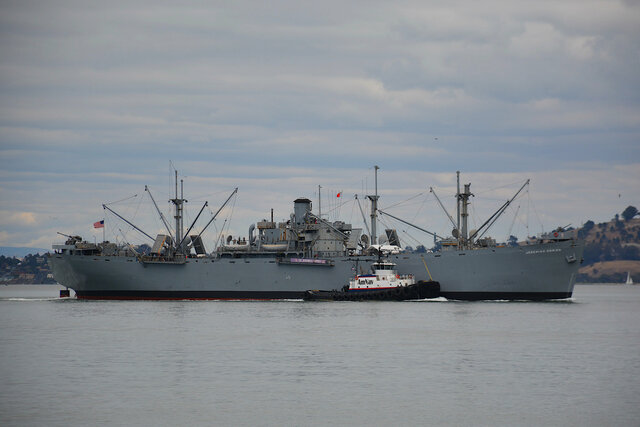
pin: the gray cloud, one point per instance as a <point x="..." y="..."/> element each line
<point x="276" y="98"/>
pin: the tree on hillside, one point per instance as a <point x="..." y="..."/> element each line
<point x="586" y="228"/>
<point x="630" y="252"/>
<point x="629" y="213"/>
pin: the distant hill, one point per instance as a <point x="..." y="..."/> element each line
<point x="20" y="252"/>
<point x="611" y="250"/>
<point x="30" y="269"/>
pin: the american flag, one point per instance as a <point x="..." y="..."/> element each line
<point x="99" y="224"/>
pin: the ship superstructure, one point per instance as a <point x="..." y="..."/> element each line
<point x="305" y="235"/>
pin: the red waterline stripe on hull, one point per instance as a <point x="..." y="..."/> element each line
<point x="523" y="296"/>
<point x="177" y="299"/>
<point x="186" y="295"/>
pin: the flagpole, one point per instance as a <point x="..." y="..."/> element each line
<point x="104" y="225"/>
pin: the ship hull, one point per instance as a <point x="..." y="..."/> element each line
<point x="95" y="277"/>
<point x="534" y="272"/>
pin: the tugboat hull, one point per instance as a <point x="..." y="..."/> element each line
<point x="419" y="290"/>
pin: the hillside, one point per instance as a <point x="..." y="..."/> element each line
<point x="19" y="252"/>
<point x="30" y="269"/>
<point x="611" y="250"/>
<point x="616" y="269"/>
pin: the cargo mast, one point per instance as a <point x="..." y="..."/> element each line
<point x="178" y="202"/>
<point x="462" y="203"/>
<point x="374" y="208"/>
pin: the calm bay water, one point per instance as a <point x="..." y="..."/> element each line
<point x="79" y="363"/>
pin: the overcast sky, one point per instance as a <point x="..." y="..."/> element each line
<point x="276" y="98"/>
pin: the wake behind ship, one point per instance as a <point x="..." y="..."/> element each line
<point x="283" y="260"/>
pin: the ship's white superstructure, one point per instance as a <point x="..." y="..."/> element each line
<point x="384" y="276"/>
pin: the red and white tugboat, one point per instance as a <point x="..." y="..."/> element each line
<point x="384" y="283"/>
<point x="384" y="276"/>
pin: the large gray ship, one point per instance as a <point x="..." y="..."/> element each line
<point x="283" y="260"/>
